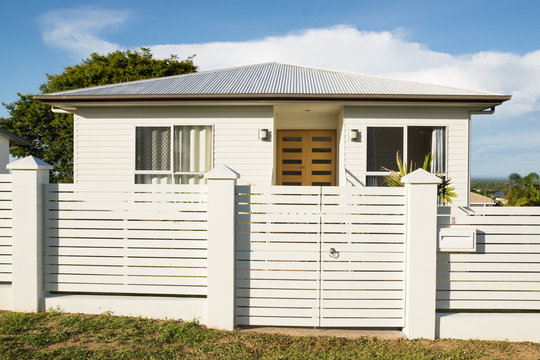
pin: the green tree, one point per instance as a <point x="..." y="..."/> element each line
<point x="524" y="191"/>
<point x="50" y="134"/>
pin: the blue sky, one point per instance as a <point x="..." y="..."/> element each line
<point x="486" y="45"/>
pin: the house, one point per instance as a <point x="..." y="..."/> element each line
<point x="8" y="139"/>
<point x="274" y="124"/>
<point x="481" y="200"/>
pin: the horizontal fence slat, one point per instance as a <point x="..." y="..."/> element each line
<point x="276" y="321"/>
<point x="120" y="233"/>
<point x="121" y="261"/>
<point x="362" y="322"/>
<point x="488" y="304"/>
<point x="126" y="289"/>
<point x="180" y="223"/>
<point x="123" y="243"/>
<point x="125" y="270"/>
<point x="277" y="303"/>
<point x="488" y="295"/>
<point x="125" y="279"/>
<point x="128" y="215"/>
<point x="253" y="311"/>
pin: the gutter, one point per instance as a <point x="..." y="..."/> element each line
<point x="495" y="99"/>
<point x="482" y="112"/>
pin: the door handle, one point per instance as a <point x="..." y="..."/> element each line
<point x="303" y="167"/>
<point x="333" y="253"/>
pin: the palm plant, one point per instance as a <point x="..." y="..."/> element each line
<point x="444" y="190"/>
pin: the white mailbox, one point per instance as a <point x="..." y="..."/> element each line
<point x="457" y="240"/>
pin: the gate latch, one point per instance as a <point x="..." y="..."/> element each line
<point x="333" y="253"/>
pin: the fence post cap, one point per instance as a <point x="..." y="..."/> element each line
<point x="421" y="176"/>
<point x="221" y="172"/>
<point x="29" y="163"/>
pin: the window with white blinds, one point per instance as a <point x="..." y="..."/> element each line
<point x="172" y="154"/>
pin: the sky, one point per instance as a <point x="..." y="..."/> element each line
<point x="487" y="45"/>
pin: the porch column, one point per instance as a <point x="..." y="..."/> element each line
<point x="221" y="256"/>
<point x="421" y="266"/>
<point x="28" y="176"/>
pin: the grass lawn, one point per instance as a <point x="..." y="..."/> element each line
<point x="53" y="335"/>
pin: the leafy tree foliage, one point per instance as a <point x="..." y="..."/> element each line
<point x="524" y="191"/>
<point x="51" y="134"/>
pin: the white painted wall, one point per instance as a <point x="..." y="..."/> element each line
<point x="187" y="309"/>
<point x="489" y="326"/>
<point x="104" y="139"/>
<point x="456" y="120"/>
<point x="299" y="118"/>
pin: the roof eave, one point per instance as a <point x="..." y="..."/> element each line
<point x="492" y="99"/>
<point x="14" y="139"/>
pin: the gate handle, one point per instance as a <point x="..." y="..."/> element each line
<point x="333" y="253"/>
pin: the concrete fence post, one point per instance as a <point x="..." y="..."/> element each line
<point x="28" y="176"/>
<point x="421" y="263"/>
<point x="221" y="250"/>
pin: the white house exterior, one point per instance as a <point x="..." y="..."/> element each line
<point x="273" y="124"/>
<point x="148" y="230"/>
<point x="8" y="139"/>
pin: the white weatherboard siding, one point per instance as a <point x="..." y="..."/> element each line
<point x="455" y="119"/>
<point x="105" y="139"/>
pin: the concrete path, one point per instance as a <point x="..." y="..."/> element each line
<point x="345" y="333"/>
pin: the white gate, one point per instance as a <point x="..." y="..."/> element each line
<point x="320" y="256"/>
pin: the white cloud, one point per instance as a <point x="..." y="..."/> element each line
<point x="78" y="31"/>
<point x="339" y="47"/>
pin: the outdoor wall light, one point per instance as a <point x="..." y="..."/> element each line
<point x="356" y="135"/>
<point x="264" y="135"/>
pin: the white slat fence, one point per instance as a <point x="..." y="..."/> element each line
<point x="6" y="213"/>
<point x="504" y="272"/>
<point x="149" y="239"/>
<point x="278" y="255"/>
<point x="285" y="275"/>
<point x="364" y="285"/>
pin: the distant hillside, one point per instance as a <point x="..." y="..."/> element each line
<point x="489" y="186"/>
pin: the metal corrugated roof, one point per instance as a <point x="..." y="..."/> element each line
<point x="269" y="79"/>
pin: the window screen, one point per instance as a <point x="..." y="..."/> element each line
<point x="418" y="144"/>
<point x="153" y="148"/>
<point x="382" y="145"/>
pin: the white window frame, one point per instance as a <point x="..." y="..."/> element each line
<point x="405" y="141"/>
<point x="171" y="165"/>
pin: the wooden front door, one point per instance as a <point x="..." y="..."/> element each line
<point x="306" y="157"/>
